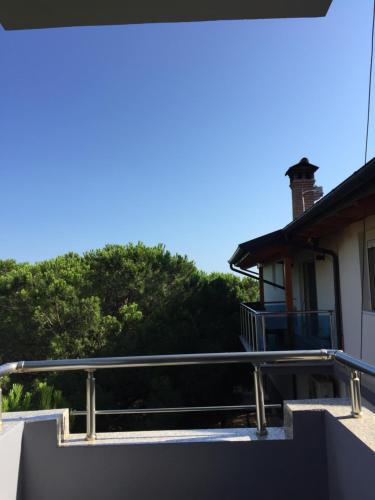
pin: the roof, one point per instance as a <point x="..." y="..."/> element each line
<point x="260" y="244"/>
<point x="348" y="202"/>
<point x="27" y="14"/>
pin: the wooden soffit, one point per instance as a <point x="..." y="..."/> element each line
<point x="353" y="212"/>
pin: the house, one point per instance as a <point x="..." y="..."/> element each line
<point x="317" y="274"/>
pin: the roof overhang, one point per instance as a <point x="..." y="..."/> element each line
<point x="259" y="250"/>
<point x="28" y="14"/>
<point x="349" y="202"/>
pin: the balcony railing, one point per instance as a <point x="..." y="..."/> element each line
<point x="254" y="359"/>
<point x="268" y="327"/>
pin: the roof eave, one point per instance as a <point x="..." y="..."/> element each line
<point x="361" y="178"/>
<point x="34" y="14"/>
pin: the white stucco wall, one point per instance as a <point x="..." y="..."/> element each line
<point x="10" y="460"/>
<point x="368" y="340"/>
<point x="348" y="245"/>
<point x="296" y="284"/>
<point x="324" y="277"/>
<point x="273" y="272"/>
<point x="350" y="283"/>
<point x="369" y="336"/>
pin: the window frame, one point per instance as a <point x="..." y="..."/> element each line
<point x="370" y="256"/>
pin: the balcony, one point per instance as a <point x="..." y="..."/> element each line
<point x="325" y="448"/>
<point x="269" y="327"/>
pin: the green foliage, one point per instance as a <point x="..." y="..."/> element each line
<point x="16" y="399"/>
<point x="118" y="300"/>
<point x="46" y="396"/>
<point x="41" y="396"/>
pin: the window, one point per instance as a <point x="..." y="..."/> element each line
<point x="371" y="270"/>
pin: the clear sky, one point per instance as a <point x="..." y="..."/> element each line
<point x="179" y="134"/>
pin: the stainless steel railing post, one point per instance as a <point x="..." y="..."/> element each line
<point x="256" y="322"/>
<point x="252" y="331"/>
<point x="259" y="401"/>
<point x="332" y="326"/>
<point x="264" y="332"/>
<point x="246" y="336"/>
<point x="248" y="316"/>
<point x="355" y="393"/>
<point x="241" y="320"/>
<point x="90" y="407"/>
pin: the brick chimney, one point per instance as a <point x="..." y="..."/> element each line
<point x="302" y="184"/>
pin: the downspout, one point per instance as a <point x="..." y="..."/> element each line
<point x="251" y="274"/>
<point x="336" y="283"/>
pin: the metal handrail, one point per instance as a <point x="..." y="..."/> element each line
<point x="354" y="363"/>
<point x="257" y="359"/>
<point x="284" y="313"/>
<point x="254" y="324"/>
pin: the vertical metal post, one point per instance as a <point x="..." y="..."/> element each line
<point x="245" y="325"/>
<point x="355" y="393"/>
<point x="248" y="328"/>
<point x="259" y="331"/>
<point x="331" y="328"/>
<point x="252" y="332"/>
<point x="256" y="328"/>
<point x="241" y="320"/>
<point x="333" y="333"/>
<point x="264" y="332"/>
<point x="90" y="407"/>
<point x="259" y="402"/>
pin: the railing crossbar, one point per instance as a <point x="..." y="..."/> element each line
<point x="181" y="409"/>
<point x="256" y="312"/>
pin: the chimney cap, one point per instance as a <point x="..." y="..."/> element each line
<point x="304" y="166"/>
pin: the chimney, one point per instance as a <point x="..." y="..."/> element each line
<point x="302" y="183"/>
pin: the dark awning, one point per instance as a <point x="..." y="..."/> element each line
<point x="27" y="14"/>
<point x="350" y="201"/>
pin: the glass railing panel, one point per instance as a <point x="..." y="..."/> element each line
<point x="298" y="331"/>
<point x="278" y="330"/>
<point x="275" y="306"/>
<point x="312" y="331"/>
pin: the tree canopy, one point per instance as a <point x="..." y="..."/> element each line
<point x="117" y="301"/>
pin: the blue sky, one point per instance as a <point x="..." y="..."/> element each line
<point x="179" y="134"/>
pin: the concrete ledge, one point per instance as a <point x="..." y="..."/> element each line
<point x="176" y="436"/>
<point x="61" y="416"/>
<point x="362" y="428"/>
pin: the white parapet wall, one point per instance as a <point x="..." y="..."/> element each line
<point x="10" y="460"/>
<point x="321" y="453"/>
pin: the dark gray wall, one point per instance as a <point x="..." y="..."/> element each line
<point x="351" y="464"/>
<point x="10" y="456"/>
<point x="267" y="470"/>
